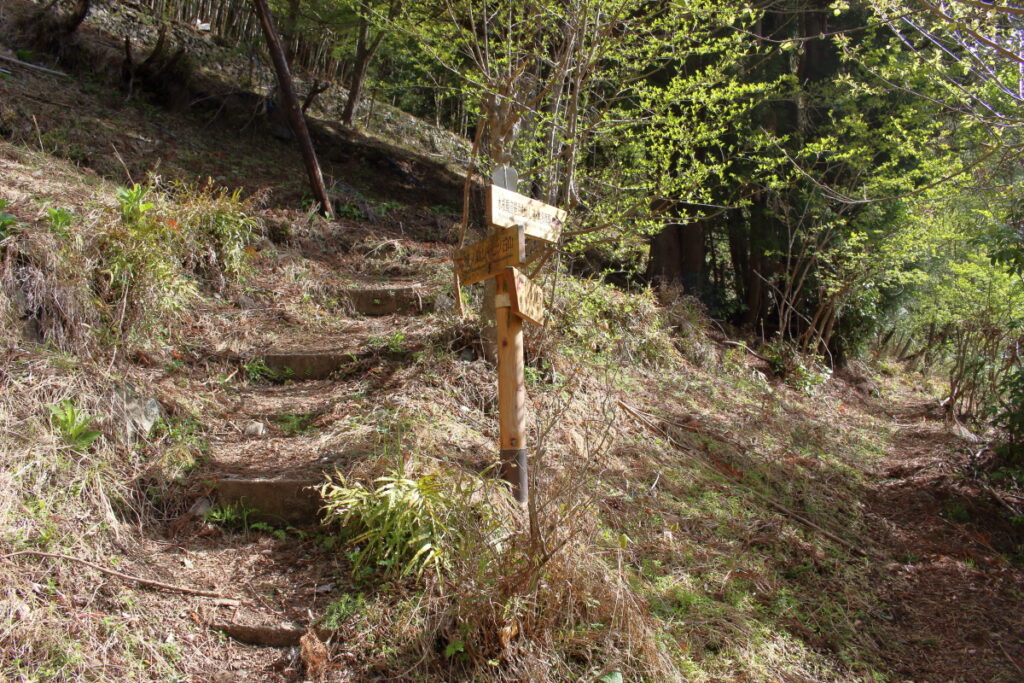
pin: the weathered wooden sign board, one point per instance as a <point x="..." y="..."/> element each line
<point x="525" y="298"/>
<point x="541" y="221"/>
<point x="491" y="255"/>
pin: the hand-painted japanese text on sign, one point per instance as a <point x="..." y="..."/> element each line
<point x="490" y="256"/>
<point x="541" y="221"/>
<point x="525" y="297"/>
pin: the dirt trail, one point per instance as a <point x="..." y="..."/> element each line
<point x="953" y="590"/>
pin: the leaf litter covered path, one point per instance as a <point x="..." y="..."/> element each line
<point x="949" y="566"/>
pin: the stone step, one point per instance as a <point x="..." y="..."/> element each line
<point x="306" y="365"/>
<point x="287" y="500"/>
<point x="389" y="301"/>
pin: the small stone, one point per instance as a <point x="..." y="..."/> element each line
<point x="246" y="302"/>
<point x="200" y="507"/>
<point x="255" y="429"/>
<point x="467" y="355"/>
<point x="142" y="413"/>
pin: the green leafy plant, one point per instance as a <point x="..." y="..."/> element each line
<point x="73" y="425"/>
<point x="142" y="264"/>
<point x="295" y="424"/>
<point x="233" y="516"/>
<point x="216" y="220"/>
<point x="394" y="342"/>
<point x="183" y="445"/>
<point x="8" y="221"/>
<point x="350" y="210"/>
<point x="60" y="221"/>
<point x="133" y="203"/>
<point x="387" y="206"/>
<point x="397" y="526"/>
<point x="803" y="372"/>
<point x="341" y="609"/>
<point x="257" y="370"/>
<point x="264" y="527"/>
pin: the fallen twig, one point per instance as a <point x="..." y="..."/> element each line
<point x="12" y="60"/>
<point x="1012" y="660"/>
<point x="766" y="499"/>
<point x="746" y="348"/>
<point x="120" y="575"/>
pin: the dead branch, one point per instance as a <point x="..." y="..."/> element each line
<point x="746" y="348"/>
<point x="120" y="575"/>
<point x="318" y="88"/>
<point x="52" y="72"/>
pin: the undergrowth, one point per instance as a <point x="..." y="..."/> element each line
<point x="124" y="273"/>
<point x="119" y="267"/>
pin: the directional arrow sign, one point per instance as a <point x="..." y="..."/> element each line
<point x="490" y="256"/>
<point x="525" y="297"/>
<point x="542" y="221"/>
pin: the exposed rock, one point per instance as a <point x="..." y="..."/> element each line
<point x="255" y="429"/>
<point x="964" y="433"/>
<point x="141" y="412"/>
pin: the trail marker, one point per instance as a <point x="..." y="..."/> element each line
<point x="525" y="297"/>
<point x="491" y="255"/>
<point x="541" y="221"/>
<point x="506" y="177"/>
<point x="499" y="255"/>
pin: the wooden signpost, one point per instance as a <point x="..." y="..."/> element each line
<point x="541" y="221"/>
<point x="500" y="255"/>
<point x="490" y="256"/>
<point x="526" y="299"/>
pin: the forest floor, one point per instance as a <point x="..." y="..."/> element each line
<point x="761" y="532"/>
<point x="952" y="579"/>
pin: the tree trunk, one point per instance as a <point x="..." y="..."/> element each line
<point x="364" y="53"/>
<point x="291" y="103"/>
<point x="677" y="256"/>
<point x="291" y="32"/>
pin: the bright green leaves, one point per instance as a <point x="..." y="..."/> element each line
<point x="73" y="425"/>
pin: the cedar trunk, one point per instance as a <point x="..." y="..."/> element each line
<point x="290" y="101"/>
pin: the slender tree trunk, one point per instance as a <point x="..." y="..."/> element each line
<point x="291" y="103"/>
<point x="291" y="29"/>
<point x="364" y="53"/>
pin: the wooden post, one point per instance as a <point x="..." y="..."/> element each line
<point x="511" y="395"/>
<point x="496" y="260"/>
<point x="291" y="103"/>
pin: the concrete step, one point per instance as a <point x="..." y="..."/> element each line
<point x="292" y="500"/>
<point x="306" y="365"/>
<point x="389" y="301"/>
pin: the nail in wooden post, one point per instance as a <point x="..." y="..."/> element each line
<point x="511" y="396"/>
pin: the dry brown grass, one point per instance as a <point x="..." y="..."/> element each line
<point x="83" y="502"/>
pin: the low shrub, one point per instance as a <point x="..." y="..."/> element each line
<point x="599" y="320"/>
<point x="491" y="596"/>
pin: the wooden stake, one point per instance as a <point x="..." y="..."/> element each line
<point x="512" y="397"/>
